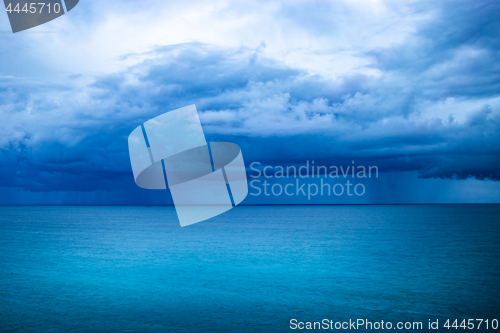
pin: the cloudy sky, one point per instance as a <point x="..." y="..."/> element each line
<point x="412" y="87"/>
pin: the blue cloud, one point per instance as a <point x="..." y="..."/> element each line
<point x="71" y="135"/>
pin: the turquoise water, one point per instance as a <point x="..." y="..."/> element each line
<point x="252" y="269"/>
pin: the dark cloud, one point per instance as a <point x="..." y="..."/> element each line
<point x="454" y="54"/>
<point x="72" y="136"/>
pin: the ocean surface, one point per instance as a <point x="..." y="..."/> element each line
<point x="252" y="269"/>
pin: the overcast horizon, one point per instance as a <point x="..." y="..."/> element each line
<point x="412" y="87"/>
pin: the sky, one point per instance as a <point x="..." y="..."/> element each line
<point x="412" y="87"/>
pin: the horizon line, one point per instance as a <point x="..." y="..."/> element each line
<point x="169" y="205"/>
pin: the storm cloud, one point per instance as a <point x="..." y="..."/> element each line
<point x="429" y="103"/>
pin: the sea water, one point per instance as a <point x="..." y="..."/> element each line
<point x="252" y="269"/>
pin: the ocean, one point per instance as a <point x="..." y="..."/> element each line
<point x="252" y="269"/>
